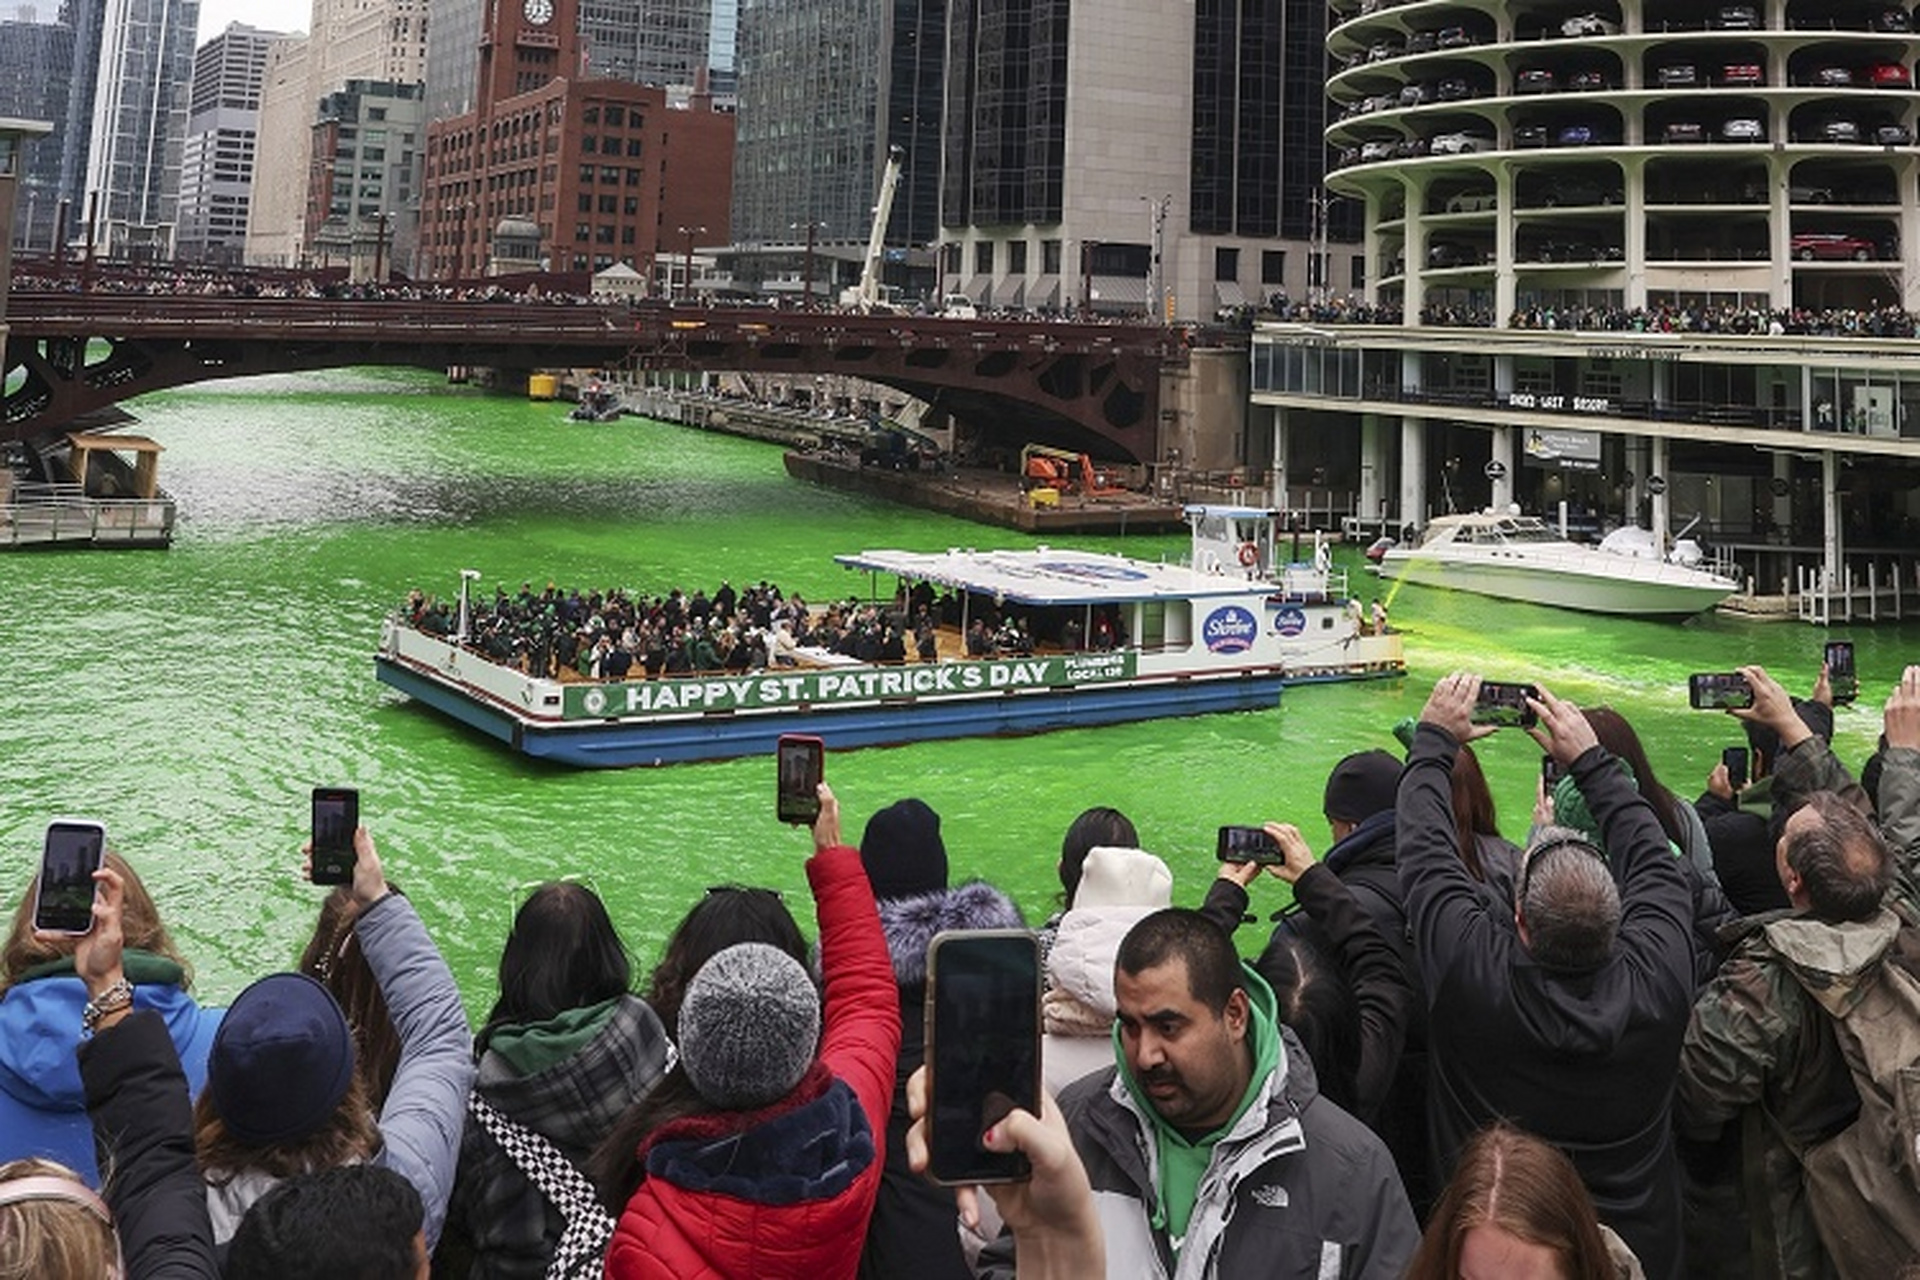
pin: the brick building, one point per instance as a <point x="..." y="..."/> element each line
<point x="604" y="169"/>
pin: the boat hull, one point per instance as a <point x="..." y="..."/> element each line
<point x="634" y="741"/>
<point x="1558" y="586"/>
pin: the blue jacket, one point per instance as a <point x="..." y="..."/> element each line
<point x="43" y="1108"/>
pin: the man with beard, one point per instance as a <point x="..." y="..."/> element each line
<point x="1208" y="1144"/>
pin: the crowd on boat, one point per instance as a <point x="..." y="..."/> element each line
<point x="1658" y="1038"/>
<point x="614" y="634"/>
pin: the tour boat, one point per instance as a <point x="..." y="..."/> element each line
<point x="1516" y="557"/>
<point x="1113" y="639"/>
<point x="597" y="404"/>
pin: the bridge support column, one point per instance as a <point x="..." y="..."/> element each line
<point x="1413" y="474"/>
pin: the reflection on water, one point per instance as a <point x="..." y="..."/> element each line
<point x="190" y="698"/>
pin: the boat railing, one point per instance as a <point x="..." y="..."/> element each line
<point x="37" y="513"/>
<point x="1306" y="581"/>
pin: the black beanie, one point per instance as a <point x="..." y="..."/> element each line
<point x="902" y="850"/>
<point x="1361" y="785"/>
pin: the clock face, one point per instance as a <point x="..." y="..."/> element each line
<point x="539" y="12"/>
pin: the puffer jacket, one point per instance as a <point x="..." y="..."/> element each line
<point x="786" y="1191"/>
<point x="43" y="1108"/>
<point x="915" y="1225"/>
<point x="568" y="1080"/>
<point x="1079" y="1007"/>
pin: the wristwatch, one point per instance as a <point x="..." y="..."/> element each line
<point x="114" y="999"/>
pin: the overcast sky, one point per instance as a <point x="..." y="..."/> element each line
<point x="268" y="15"/>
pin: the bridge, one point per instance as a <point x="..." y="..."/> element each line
<point x="1091" y="387"/>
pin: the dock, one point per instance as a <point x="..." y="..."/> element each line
<point x="61" y="515"/>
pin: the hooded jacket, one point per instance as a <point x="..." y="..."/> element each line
<point x="785" y="1191"/>
<point x="1293" y="1186"/>
<point x="1586" y="1060"/>
<point x="43" y="1108"/>
<point x="915" y="1227"/>
<point x="568" y="1079"/>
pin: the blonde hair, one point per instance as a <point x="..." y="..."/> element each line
<point x="140" y="922"/>
<point x="52" y="1229"/>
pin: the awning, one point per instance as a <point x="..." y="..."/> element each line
<point x="1045" y="292"/>
<point x="1119" y="291"/>
<point x="977" y="286"/>
<point x="1228" y="293"/>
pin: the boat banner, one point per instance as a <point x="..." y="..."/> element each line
<point x="817" y="688"/>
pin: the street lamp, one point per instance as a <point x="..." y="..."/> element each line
<point x="806" y="271"/>
<point x="690" y="233"/>
<point x="1157" y="211"/>
<point x="382" y="221"/>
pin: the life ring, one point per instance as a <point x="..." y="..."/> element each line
<point x="1249" y="555"/>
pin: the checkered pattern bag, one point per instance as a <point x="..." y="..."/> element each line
<point x="583" y="1244"/>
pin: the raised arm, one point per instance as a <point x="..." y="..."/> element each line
<point x="860" y="1038"/>
<point x="1899" y="793"/>
<point x="1445" y="909"/>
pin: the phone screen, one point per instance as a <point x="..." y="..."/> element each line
<point x="336" y="813"/>
<point x="983" y="1048"/>
<point x="1735" y="759"/>
<point x="1841" y="677"/>
<point x="72" y="853"/>
<point x="1505" y="704"/>
<point x="802" y="764"/>
<point x="1716" y="691"/>
<point x="1549" y="772"/>
<point x="1247" y="844"/>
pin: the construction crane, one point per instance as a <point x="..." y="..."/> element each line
<point x="865" y="296"/>
<point x="1045" y="467"/>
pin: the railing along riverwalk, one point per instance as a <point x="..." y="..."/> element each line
<point x="45" y="514"/>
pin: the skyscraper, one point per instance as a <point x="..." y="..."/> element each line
<point x="827" y="87"/>
<point x="1118" y="156"/>
<point x="139" y="124"/>
<point x="216" y="174"/>
<point x="36" y="76"/>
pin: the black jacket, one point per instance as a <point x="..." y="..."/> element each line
<point x="143" y="1129"/>
<point x="1586" y="1060"/>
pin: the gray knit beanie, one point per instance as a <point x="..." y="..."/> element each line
<point x="749" y="1025"/>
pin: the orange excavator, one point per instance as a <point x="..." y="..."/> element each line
<point x="1044" y="467"/>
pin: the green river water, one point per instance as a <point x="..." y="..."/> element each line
<point x="190" y="698"/>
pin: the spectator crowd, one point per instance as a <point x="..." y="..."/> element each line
<point x="1661" y="1037"/>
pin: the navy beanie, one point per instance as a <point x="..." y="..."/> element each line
<point x="1361" y="785"/>
<point x="281" y="1061"/>
<point x="902" y="851"/>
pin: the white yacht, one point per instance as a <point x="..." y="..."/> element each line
<point x="1515" y="557"/>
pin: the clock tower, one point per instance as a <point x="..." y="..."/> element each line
<point x="525" y="44"/>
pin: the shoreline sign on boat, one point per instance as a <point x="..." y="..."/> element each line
<point x="1224" y="632"/>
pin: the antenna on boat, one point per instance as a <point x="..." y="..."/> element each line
<point x="460" y="628"/>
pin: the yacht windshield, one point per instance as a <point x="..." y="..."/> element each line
<point x="1526" y="529"/>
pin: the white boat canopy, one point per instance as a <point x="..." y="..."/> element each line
<point x="1049" y="576"/>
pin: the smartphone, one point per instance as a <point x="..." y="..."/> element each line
<point x="1716" y="691"/>
<point x="802" y="762"/>
<point x="63" y="899"/>
<point x="1505" y="704"/>
<point x="1247" y="844"/>
<point x="1550" y="773"/>
<point x="1841" y="677"/>
<point x="336" y="814"/>
<point x="983" y="1048"/>
<point x="1735" y="758"/>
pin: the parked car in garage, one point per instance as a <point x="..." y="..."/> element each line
<point x="1453" y="89"/>
<point x="1683" y="131"/>
<point x="1589" y="24"/>
<point x="1576" y="192"/>
<point x="1376" y="150"/>
<point x="1471" y="202"/>
<point x="1457" y="144"/>
<point x="1831" y="77"/>
<point x="1535" y="80"/>
<point x="1530" y="135"/>
<point x="1454" y="38"/>
<point x="1580" y="135"/>
<point x="1891" y="135"/>
<point x="1447" y="253"/>
<point x="1892" y="20"/>
<point x="1422" y="41"/>
<point x="1735" y="17"/>
<point x="1889" y="75"/>
<point x="1743" y="129"/>
<point x="1678" y="75"/>
<point x="1743" y="73"/>
<point x="1835" y="129"/>
<point x="1588" y="81"/>
<point x="1812" y="246"/>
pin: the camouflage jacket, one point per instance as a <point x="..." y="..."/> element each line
<point x="1759" y="1051"/>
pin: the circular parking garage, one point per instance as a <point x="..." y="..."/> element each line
<point x="1628" y="155"/>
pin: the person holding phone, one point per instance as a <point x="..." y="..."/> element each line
<point x="767" y="1166"/>
<point x="1221" y="1093"/>
<point x="1584" y="984"/>
<point x="42" y="1102"/>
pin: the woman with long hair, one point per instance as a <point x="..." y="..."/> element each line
<point x="43" y="1109"/>
<point x="566" y="1049"/>
<point x="1516" y="1206"/>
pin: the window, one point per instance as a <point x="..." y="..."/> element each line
<point x="1050" y="257"/>
<point x="1016" y="257"/>
<point x="983" y="257"/>
<point x="586" y="202"/>
<point x="609" y="203"/>
<point x="1357" y="271"/>
<point x="616" y="115"/>
<point x="1273" y="266"/>
<point x="1226" y="263"/>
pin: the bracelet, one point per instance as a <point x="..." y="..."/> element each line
<point x="115" y="999"/>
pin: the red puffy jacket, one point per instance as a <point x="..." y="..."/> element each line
<point x="785" y="1191"/>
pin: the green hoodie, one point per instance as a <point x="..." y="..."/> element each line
<point x="531" y="1047"/>
<point x="1183" y="1163"/>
